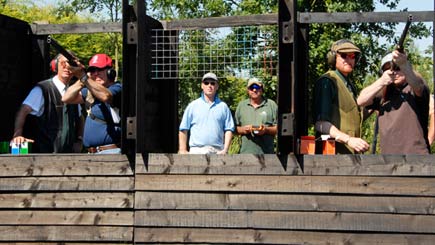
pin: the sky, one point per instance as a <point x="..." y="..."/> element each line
<point x="413" y="5"/>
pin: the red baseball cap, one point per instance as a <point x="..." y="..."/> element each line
<point x="100" y="61"/>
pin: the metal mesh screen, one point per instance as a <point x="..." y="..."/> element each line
<point x="240" y="52"/>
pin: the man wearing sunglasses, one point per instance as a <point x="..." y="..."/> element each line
<point x="101" y="94"/>
<point x="256" y="120"/>
<point x="401" y="99"/>
<point x="209" y="121"/>
<point x="336" y="112"/>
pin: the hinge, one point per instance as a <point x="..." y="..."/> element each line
<point x="287" y="31"/>
<point x="131" y="128"/>
<point x="131" y="33"/>
<point x="287" y="124"/>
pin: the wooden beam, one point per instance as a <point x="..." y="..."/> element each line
<point x="230" y="21"/>
<point x="216" y="164"/>
<point x="258" y="236"/>
<point x="66" y="233"/>
<point x="309" y="221"/>
<point x="412" y="186"/>
<point x="354" y="17"/>
<point x="78" y="28"/>
<point x="281" y="202"/>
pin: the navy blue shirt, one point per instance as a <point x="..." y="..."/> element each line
<point x="100" y="127"/>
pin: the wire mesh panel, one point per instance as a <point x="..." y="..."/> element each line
<point x="240" y="52"/>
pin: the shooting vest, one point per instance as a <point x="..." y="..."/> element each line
<point x="346" y="114"/>
<point x="57" y="125"/>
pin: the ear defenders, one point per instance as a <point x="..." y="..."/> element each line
<point x="111" y="74"/>
<point x="332" y="53"/>
<point x="54" y="64"/>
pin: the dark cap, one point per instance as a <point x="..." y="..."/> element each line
<point x="345" y="46"/>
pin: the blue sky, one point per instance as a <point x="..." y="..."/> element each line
<point x="414" y="5"/>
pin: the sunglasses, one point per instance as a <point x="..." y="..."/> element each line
<point x="347" y="55"/>
<point x="95" y="69"/>
<point x="206" y="83"/>
<point x="255" y="86"/>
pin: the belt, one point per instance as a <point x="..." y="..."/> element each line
<point x="102" y="148"/>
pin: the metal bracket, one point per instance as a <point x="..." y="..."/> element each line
<point x="287" y="124"/>
<point x="287" y="31"/>
<point x="131" y="128"/>
<point x="131" y="33"/>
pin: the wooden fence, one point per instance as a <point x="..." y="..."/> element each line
<point x="232" y="199"/>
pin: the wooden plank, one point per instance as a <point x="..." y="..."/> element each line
<point x="322" y="221"/>
<point x="67" y="184"/>
<point x="251" y="236"/>
<point x="360" y="17"/>
<point x="417" y="186"/>
<point x="370" y="165"/>
<point x="230" y="21"/>
<point x="64" y="217"/>
<point x="66" y="233"/>
<point x="224" y="21"/>
<point x="216" y="164"/>
<point x="112" y="200"/>
<point x="283" y="202"/>
<point x="64" y="165"/>
<point x="77" y="28"/>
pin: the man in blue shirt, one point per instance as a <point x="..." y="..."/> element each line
<point x="102" y="97"/>
<point x="209" y="120"/>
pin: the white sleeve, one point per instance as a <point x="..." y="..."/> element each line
<point x="35" y="100"/>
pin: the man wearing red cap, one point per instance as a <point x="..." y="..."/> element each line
<point x="102" y="96"/>
<point x="59" y="125"/>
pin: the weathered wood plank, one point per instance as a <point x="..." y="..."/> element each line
<point x="372" y="165"/>
<point x="359" y="17"/>
<point x="417" y="186"/>
<point x="284" y="202"/>
<point x="77" y="28"/>
<point x="67" y="184"/>
<point x="230" y="21"/>
<point x="330" y="221"/>
<point x="64" y="165"/>
<point x="216" y="164"/>
<point x="64" y="217"/>
<point x="66" y="233"/>
<point x="224" y="21"/>
<point x="73" y="200"/>
<point x="250" y="236"/>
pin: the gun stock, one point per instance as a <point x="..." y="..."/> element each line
<point x="400" y="46"/>
<point x="71" y="58"/>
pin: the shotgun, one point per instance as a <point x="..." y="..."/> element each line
<point x="71" y="58"/>
<point x="400" y="46"/>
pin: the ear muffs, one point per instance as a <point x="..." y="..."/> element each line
<point x="54" y="64"/>
<point x="331" y="56"/>
<point x="111" y="74"/>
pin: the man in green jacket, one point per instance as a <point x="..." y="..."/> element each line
<point x="336" y="112"/>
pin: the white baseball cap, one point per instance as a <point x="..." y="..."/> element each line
<point x="209" y="75"/>
<point x="387" y="59"/>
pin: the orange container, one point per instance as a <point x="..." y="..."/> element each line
<point x="308" y="145"/>
<point x="329" y="147"/>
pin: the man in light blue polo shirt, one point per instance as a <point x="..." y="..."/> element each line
<point x="209" y="120"/>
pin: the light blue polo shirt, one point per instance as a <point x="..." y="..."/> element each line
<point x="207" y="122"/>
